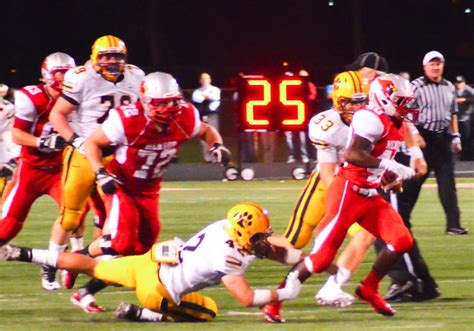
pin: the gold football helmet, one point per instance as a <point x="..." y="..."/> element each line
<point x="109" y="56"/>
<point x="348" y="94"/>
<point x="249" y="226"/>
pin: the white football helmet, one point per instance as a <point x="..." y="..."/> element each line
<point x="394" y="95"/>
<point x="161" y="97"/>
<point x="53" y="63"/>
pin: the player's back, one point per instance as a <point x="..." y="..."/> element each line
<point x="95" y="96"/>
<point x="203" y="260"/>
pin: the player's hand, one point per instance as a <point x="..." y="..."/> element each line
<point x="106" y="181"/>
<point x="219" y="154"/>
<point x="403" y="171"/>
<point x="292" y="287"/>
<point x="417" y="161"/>
<point x="78" y="143"/>
<point x="457" y="143"/>
<point x="7" y="169"/>
<point x="53" y="142"/>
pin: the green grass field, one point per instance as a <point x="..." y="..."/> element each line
<point x="186" y="207"/>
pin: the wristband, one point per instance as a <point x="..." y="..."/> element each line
<point x="415" y="152"/>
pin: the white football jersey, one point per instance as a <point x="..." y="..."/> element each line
<point x="204" y="259"/>
<point x="95" y="96"/>
<point x="329" y="134"/>
<point x="8" y="149"/>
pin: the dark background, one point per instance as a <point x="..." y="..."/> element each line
<point x="230" y="36"/>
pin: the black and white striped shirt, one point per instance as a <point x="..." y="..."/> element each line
<point x="437" y="103"/>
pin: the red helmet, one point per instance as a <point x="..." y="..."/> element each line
<point x="161" y="97"/>
<point x="394" y="95"/>
<point x="53" y="63"/>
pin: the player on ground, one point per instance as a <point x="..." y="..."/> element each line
<point x="166" y="279"/>
<point x="147" y="135"/>
<point x="352" y="196"/>
<point x="41" y="152"/>
<point x="89" y="92"/>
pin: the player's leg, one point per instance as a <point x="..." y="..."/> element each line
<point x="308" y="212"/>
<point x="149" y="223"/>
<point x="385" y="223"/>
<point x="331" y="294"/>
<point x="18" y="201"/>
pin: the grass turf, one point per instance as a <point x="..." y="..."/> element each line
<point x="186" y="207"/>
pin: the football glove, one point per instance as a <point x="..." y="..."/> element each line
<point x="7" y="169"/>
<point x="219" y="154"/>
<point x="53" y="142"/>
<point x="403" y="171"/>
<point x="78" y="143"/>
<point x="107" y="182"/>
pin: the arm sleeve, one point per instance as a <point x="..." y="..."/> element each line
<point x="215" y="98"/>
<point x="231" y="265"/>
<point x="367" y="125"/>
<point x="72" y="87"/>
<point x="327" y="155"/>
<point x="454" y="104"/>
<point x="113" y="128"/>
<point x="24" y="107"/>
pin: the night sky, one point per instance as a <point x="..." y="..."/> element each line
<point x="230" y="36"/>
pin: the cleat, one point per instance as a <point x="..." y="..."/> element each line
<point x="86" y="301"/>
<point x="48" y="278"/>
<point x="457" y="231"/>
<point x="371" y="296"/>
<point x="335" y="298"/>
<point x="271" y="313"/>
<point x="10" y="253"/>
<point x="400" y="293"/>
<point x="128" y="311"/>
<point x="68" y="278"/>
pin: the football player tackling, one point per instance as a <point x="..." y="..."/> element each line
<point x="147" y="135"/>
<point x="166" y="278"/>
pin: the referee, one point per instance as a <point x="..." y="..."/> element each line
<point x="439" y="137"/>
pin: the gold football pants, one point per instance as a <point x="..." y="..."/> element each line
<point x="140" y="272"/>
<point x="309" y="212"/>
<point x="78" y="180"/>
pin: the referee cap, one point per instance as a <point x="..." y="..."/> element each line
<point x="370" y="60"/>
<point x="430" y="56"/>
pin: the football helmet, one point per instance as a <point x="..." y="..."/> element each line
<point x="347" y="93"/>
<point x="53" y="63"/>
<point x="111" y="69"/>
<point x="249" y="226"/>
<point x="160" y="97"/>
<point x="394" y="95"/>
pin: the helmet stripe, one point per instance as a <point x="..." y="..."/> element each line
<point x="355" y="81"/>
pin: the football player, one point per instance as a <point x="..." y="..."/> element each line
<point x="352" y="196"/>
<point x="9" y="151"/>
<point x="41" y="152"/>
<point x="89" y="93"/>
<point x="166" y="278"/>
<point x="147" y="135"/>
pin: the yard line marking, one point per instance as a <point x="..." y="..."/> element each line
<point x="184" y="189"/>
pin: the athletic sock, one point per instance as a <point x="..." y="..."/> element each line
<point x="149" y="315"/>
<point x="372" y="280"/>
<point x="76" y="243"/>
<point x="94" y="286"/>
<point x="43" y="257"/>
<point x="342" y="277"/>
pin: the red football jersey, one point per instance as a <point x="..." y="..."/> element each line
<point x="386" y="138"/>
<point x="32" y="108"/>
<point x="143" y="151"/>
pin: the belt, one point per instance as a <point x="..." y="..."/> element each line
<point x="366" y="192"/>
